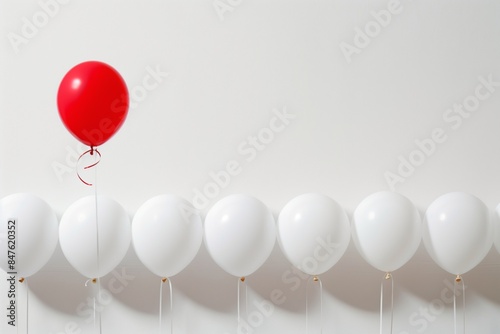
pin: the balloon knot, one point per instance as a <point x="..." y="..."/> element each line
<point x="91" y="150"/>
<point x="94" y="280"/>
<point x="388" y="276"/>
<point x="242" y="279"/>
<point x="164" y="279"/>
<point x="21" y="280"/>
<point x="315" y="278"/>
<point x="458" y="279"/>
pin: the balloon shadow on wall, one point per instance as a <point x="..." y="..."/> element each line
<point x="484" y="279"/>
<point x="277" y="280"/>
<point x="487" y="274"/>
<point x="62" y="288"/>
<point x="354" y="282"/>
<point x="59" y="286"/>
<point x="204" y="282"/>
<point x="130" y="280"/>
<point x="351" y="281"/>
<point x="432" y="287"/>
<point x="424" y="279"/>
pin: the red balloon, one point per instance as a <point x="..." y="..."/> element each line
<point x="93" y="102"/>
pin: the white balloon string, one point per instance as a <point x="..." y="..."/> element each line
<point x="95" y="312"/>
<point x="171" y="307"/>
<point x="96" y="316"/>
<point x="387" y="277"/>
<point x="27" y="304"/>
<point x="161" y="305"/>
<point x="315" y="280"/>
<point x="97" y="159"/>
<point x="459" y="283"/>
<point x="93" y="295"/>
<point x="242" y="297"/>
<point x="17" y="287"/>
<point x="163" y="280"/>
<point x="97" y="300"/>
<point x="94" y="301"/>
<point x="17" y="282"/>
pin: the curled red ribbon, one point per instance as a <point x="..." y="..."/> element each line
<point x="91" y="152"/>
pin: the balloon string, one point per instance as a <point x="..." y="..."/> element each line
<point x="459" y="283"/>
<point x="98" y="250"/>
<point x="241" y="300"/>
<point x="315" y="279"/>
<point x="171" y="307"/>
<point x="27" y="304"/>
<point x="17" y="289"/>
<point x="161" y="306"/>
<point x="97" y="319"/>
<point x="22" y="280"/>
<point x="163" y="280"/>
<point x="98" y="159"/>
<point x="95" y="310"/>
<point x="94" y="302"/>
<point x="96" y="315"/>
<point x="98" y="296"/>
<point x="387" y="276"/>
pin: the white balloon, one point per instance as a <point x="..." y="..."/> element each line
<point x="458" y="232"/>
<point x="166" y="233"/>
<point x="78" y="237"/>
<point x="313" y="232"/>
<point x="35" y="233"/>
<point x="386" y="230"/>
<point x="240" y="234"/>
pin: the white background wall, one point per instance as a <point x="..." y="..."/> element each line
<point x="354" y="117"/>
